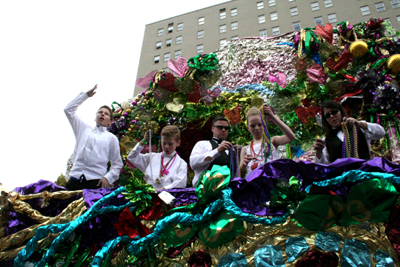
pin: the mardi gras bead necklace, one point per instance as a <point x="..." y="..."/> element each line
<point x="264" y="121"/>
<point x="164" y="170"/>
<point x="350" y="142"/>
<point x="255" y="160"/>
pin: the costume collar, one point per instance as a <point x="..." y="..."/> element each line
<point x="101" y="128"/>
<point x="217" y="140"/>
<point x="163" y="154"/>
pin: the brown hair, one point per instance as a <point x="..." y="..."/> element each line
<point x="109" y="109"/>
<point x="171" y="131"/>
<point x="219" y="118"/>
<point x="330" y="132"/>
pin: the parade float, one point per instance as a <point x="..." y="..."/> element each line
<point x="289" y="212"/>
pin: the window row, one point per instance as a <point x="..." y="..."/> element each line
<point x="293" y="12"/>
<point x="178" y="40"/>
<point x="170" y="28"/>
<point x="234" y="26"/>
<point x="167" y="56"/>
<point x="380" y="7"/>
<point x="314" y="5"/>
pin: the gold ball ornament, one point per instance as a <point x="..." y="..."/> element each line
<point x="137" y="118"/>
<point x="394" y="63"/>
<point x="137" y="99"/>
<point x="358" y="48"/>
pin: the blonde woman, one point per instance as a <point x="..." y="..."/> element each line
<point x="252" y="156"/>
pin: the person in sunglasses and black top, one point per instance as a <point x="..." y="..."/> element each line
<point x="329" y="149"/>
<point x="207" y="153"/>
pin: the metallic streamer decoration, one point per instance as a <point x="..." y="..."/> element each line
<point x="233" y="55"/>
<point x="70" y="213"/>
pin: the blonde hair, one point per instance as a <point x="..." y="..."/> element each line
<point x="171" y="131"/>
<point x="251" y="112"/>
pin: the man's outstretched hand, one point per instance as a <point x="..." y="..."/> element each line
<point x="104" y="183"/>
<point x="91" y="92"/>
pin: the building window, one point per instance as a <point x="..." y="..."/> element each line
<point x="168" y="42"/>
<point x="275" y="31"/>
<point x="166" y="69"/>
<point x="261" y="19"/>
<point x="398" y="19"/>
<point x="201" y="21"/>
<point x="222" y="13"/>
<point x="271" y="3"/>
<point x="222" y="42"/>
<point x="263" y="33"/>
<point x="234" y="26"/>
<point x="158" y="45"/>
<point x="170" y="27"/>
<point x="167" y="56"/>
<point x="293" y="11"/>
<point x="156" y="59"/>
<point x="199" y="49"/>
<point x="274" y="16"/>
<point x="178" y="40"/>
<point x="296" y="26"/>
<point x="222" y="28"/>
<point x="200" y="34"/>
<point x="318" y="21"/>
<point x="260" y="5"/>
<point x="332" y="18"/>
<point x="395" y="3"/>
<point x="365" y="10"/>
<point x="292" y="0"/>
<point x="180" y="26"/>
<point x="314" y="6"/>
<point x="388" y="22"/>
<point x="177" y="53"/>
<point x="328" y="3"/>
<point x="380" y="7"/>
<point x="160" y="32"/>
<point x="235" y="38"/>
<point x="233" y="12"/>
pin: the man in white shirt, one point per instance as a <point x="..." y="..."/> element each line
<point x="94" y="148"/>
<point x="206" y="154"/>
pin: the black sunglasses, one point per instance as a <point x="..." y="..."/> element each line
<point x="222" y="127"/>
<point x="332" y="113"/>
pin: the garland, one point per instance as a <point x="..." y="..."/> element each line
<point x="203" y="62"/>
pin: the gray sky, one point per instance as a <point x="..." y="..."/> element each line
<point x="52" y="50"/>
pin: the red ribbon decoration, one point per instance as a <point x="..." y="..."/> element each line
<point x="326" y="32"/>
<point x="154" y="212"/>
<point x="128" y="225"/>
<point x="342" y="62"/>
<point x="195" y="96"/>
<point x="168" y="83"/>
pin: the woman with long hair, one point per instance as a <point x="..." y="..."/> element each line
<point x="345" y="136"/>
<point x="259" y="151"/>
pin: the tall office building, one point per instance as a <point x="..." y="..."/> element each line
<point x="204" y="30"/>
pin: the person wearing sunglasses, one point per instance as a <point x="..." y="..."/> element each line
<point x="252" y="156"/>
<point x="207" y="153"/>
<point x="330" y="148"/>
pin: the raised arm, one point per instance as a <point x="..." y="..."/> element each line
<point x="141" y="161"/>
<point x="70" y="111"/>
<point x="288" y="133"/>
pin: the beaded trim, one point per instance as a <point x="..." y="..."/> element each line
<point x="350" y="142"/>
